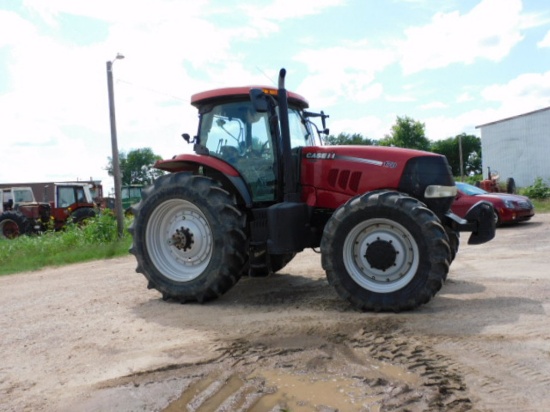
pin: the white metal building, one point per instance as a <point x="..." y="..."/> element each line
<point x="518" y="147"/>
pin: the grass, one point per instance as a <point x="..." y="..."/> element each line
<point x="541" y="206"/>
<point x="96" y="240"/>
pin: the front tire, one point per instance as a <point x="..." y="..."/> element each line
<point x="188" y="238"/>
<point x="454" y="242"/>
<point x="385" y="251"/>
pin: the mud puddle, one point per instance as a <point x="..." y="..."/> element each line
<point x="367" y="371"/>
<point x="274" y="390"/>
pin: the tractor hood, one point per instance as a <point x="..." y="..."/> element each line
<point x="340" y="172"/>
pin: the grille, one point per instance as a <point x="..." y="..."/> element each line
<point x="344" y="179"/>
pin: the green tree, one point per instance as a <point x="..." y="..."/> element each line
<point x="407" y="132"/>
<point x="471" y="153"/>
<point x="349" y="139"/>
<point x="136" y="166"/>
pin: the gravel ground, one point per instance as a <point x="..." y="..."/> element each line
<point x="91" y="337"/>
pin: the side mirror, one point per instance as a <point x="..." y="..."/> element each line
<point x="259" y="100"/>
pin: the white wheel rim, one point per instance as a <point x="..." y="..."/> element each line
<point x="179" y="240"/>
<point x="385" y="234"/>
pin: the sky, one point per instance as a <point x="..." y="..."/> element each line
<point x="452" y="65"/>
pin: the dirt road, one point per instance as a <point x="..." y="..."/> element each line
<point x="91" y="337"/>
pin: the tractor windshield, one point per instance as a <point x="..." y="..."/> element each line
<point x="300" y="135"/>
<point x="22" y="196"/>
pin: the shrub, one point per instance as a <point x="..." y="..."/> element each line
<point x="101" y="229"/>
<point x="539" y="190"/>
<point x="97" y="238"/>
<point x="472" y="179"/>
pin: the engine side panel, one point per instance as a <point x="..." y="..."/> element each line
<point x="330" y="175"/>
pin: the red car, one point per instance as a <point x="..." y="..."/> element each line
<point x="509" y="208"/>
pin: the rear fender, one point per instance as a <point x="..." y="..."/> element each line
<point x="213" y="167"/>
<point x="191" y="162"/>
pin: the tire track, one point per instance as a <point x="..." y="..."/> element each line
<point x="494" y="374"/>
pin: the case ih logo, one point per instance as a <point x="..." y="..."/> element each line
<point x="320" y="155"/>
<point x="330" y="156"/>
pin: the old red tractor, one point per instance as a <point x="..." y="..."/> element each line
<point x="260" y="187"/>
<point x="21" y="214"/>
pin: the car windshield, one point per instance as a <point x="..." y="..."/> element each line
<point x="470" y="190"/>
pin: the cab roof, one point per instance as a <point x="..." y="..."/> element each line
<point x="210" y="96"/>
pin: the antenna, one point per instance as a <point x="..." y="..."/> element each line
<point x="271" y="82"/>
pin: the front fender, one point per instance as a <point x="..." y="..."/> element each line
<point x="479" y="220"/>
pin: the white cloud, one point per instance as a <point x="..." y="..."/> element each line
<point x="527" y="92"/>
<point x="19" y="29"/>
<point x="434" y="105"/>
<point x="400" y="98"/>
<point x="545" y="42"/>
<point x="288" y="9"/>
<point x="343" y="73"/>
<point x="148" y="12"/>
<point x="443" y="127"/>
<point x="488" y="31"/>
<point x="368" y="126"/>
<point x="464" y="97"/>
<point x="522" y="94"/>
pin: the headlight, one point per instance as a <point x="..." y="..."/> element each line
<point x="509" y="204"/>
<point x="436" y="191"/>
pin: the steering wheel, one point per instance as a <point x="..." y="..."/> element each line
<point x="265" y="150"/>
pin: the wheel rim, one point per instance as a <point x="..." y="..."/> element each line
<point x="9" y="229"/>
<point x="179" y="240"/>
<point x="381" y="255"/>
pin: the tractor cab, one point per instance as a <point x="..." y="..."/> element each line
<point x="72" y="199"/>
<point x="13" y="197"/>
<point x="232" y="129"/>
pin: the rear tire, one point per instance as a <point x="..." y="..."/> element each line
<point x="385" y="251"/>
<point x="14" y="224"/>
<point x="188" y="238"/>
<point x="80" y="215"/>
<point x="510" y="185"/>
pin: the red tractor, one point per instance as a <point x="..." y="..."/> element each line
<point x="21" y="214"/>
<point x="492" y="183"/>
<point x="260" y="187"/>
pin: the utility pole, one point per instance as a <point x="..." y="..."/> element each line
<point x="460" y="157"/>
<point x="114" y="145"/>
